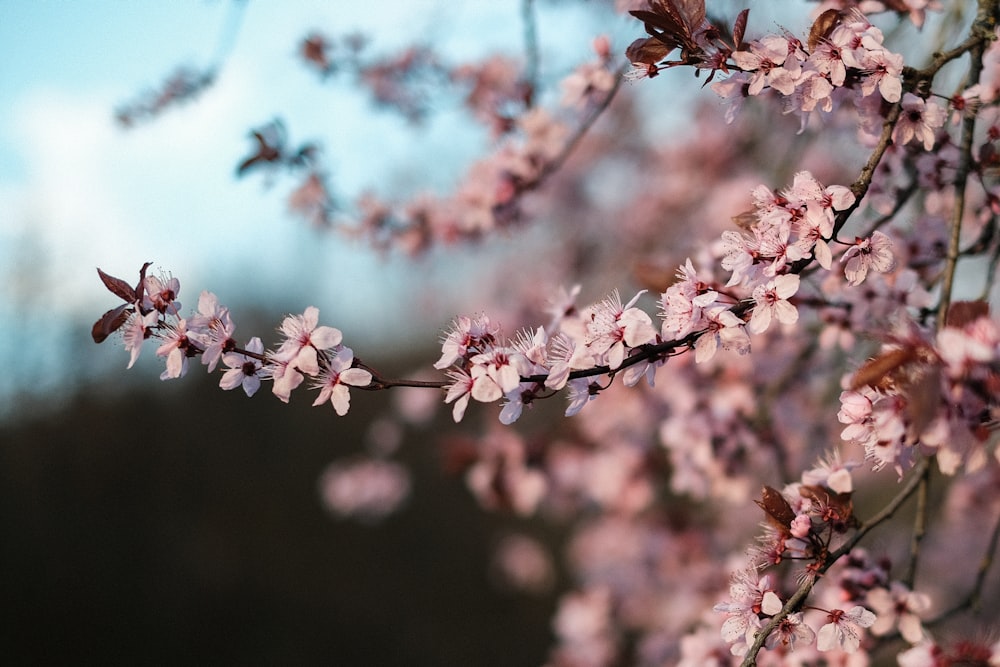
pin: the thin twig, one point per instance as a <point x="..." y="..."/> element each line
<point x="973" y="600"/>
<point x="531" y="53"/>
<point x="965" y="161"/>
<point x="919" y="528"/>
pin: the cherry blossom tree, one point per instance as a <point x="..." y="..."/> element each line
<point x="745" y="432"/>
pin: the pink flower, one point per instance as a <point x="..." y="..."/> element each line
<point x="725" y="330"/>
<point x="368" y="489"/>
<point x="583" y="616"/>
<point x="161" y="294"/>
<point x="566" y="355"/>
<point x="334" y="378"/>
<point x="831" y="472"/>
<point x="683" y="303"/>
<point x="459" y="392"/>
<point x="874" y="253"/>
<point x="138" y="329"/>
<point x="769" y="61"/>
<point x="176" y="348"/>
<point x="844" y="629"/>
<point x="733" y="90"/>
<point x="502" y="478"/>
<point x="243" y="371"/>
<point x="286" y="378"/>
<point x="303" y="338"/>
<point x="740" y="255"/>
<point x="581" y="391"/>
<point x="524" y="565"/>
<point x="917" y="121"/>
<point x="466" y="336"/>
<point x="900" y="607"/>
<point x="828" y="58"/>
<point x="789" y="631"/>
<point x="751" y="596"/>
<point x="213" y="328"/>
<point x="772" y="301"/>
<point x="885" y="72"/>
<point x="613" y="327"/>
<point x="504" y="366"/>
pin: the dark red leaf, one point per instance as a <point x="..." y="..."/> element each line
<point x="739" y="29"/>
<point x="647" y="50"/>
<point x="118" y="287"/>
<point x="142" y="279"/>
<point x="823" y="26"/>
<point x="269" y="143"/>
<point x="962" y="312"/>
<point x="110" y="322"/>
<point x="779" y="513"/>
<point x="882" y="371"/>
<point x="693" y="12"/>
<point x="662" y="28"/>
<point x="673" y="22"/>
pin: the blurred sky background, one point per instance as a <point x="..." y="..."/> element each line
<point x="77" y="191"/>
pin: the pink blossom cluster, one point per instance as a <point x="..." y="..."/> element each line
<point x="151" y="310"/>
<point x="856" y="596"/>
<point x="530" y="142"/>
<point x="927" y="396"/>
<point x="790" y="229"/>
<point x="844" y="52"/>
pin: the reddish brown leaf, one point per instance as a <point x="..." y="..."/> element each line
<point x="118" y="287"/>
<point x="269" y="143"/>
<point x="661" y="29"/>
<point x="739" y="28"/>
<point x="823" y="26"/>
<point x="745" y="220"/>
<point x="139" y="286"/>
<point x="647" y="50"/>
<point x="673" y="22"/>
<point x="878" y="372"/>
<point x="779" y="513"/>
<point x="652" y="275"/>
<point x="921" y="385"/>
<point x="314" y="50"/>
<point x="962" y="312"/>
<point x="110" y="322"/>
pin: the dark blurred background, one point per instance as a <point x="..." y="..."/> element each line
<point x="175" y="523"/>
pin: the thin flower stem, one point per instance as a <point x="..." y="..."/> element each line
<point x="581" y="131"/>
<point x="976" y="595"/>
<point x="378" y="382"/>
<point x="795" y="601"/>
<point x="965" y="161"/>
<point x="860" y="186"/>
<point x="919" y="528"/>
<point x="531" y="53"/>
<point x="973" y="601"/>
